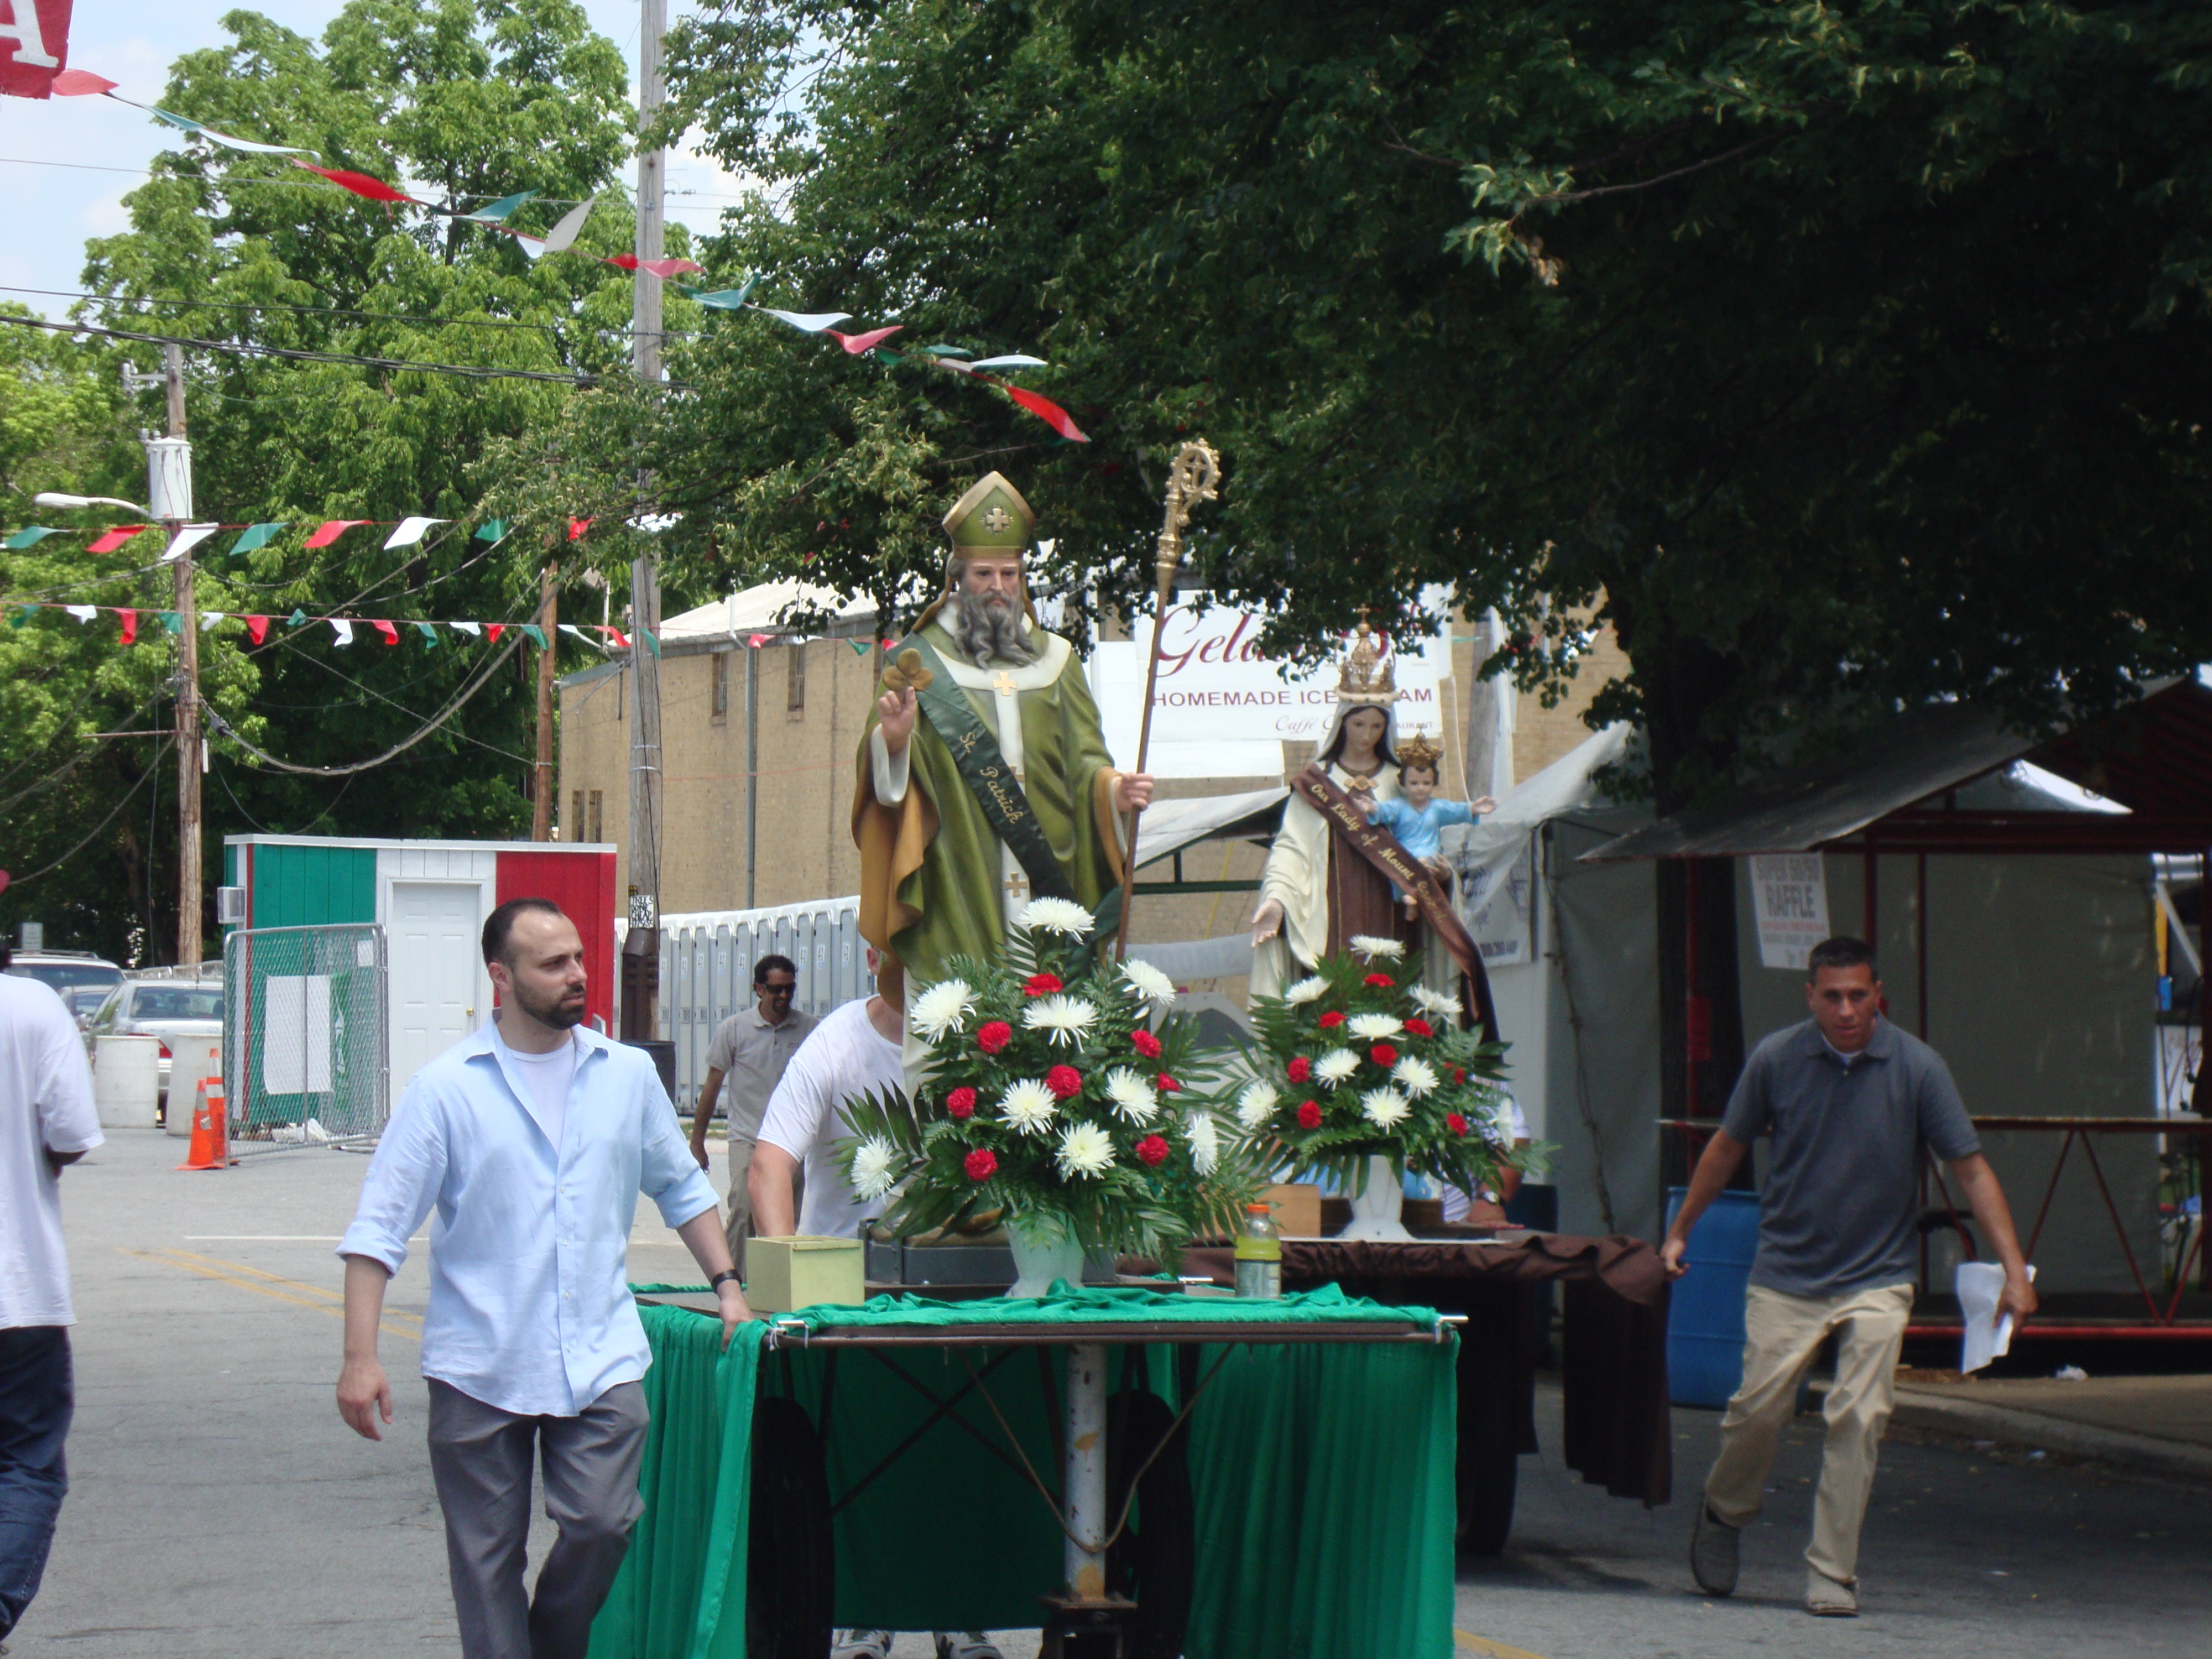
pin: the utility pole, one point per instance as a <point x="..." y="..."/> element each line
<point x="169" y="491"/>
<point x="641" y="948"/>
<point x="542" y="789"/>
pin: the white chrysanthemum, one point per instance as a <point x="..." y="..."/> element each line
<point x="1338" y="1064"/>
<point x="875" y="1166"/>
<point x="1257" y="1104"/>
<point x="1084" y="1150"/>
<point x="1066" y="1018"/>
<point x="1029" y="1106"/>
<point x="1149" y="982"/>
<point x="1384" y="1108"/>
<point x="1373" y="1028"/>
<point x="945" y="1006"/>
<point x="1312" y="988"/>
<point x="1370" y="947"/>
<point x="1414" y="1075"/>
<point x="1055" y="915"/>
<point x="1435" y="1002"/>
<point x="1132" y="1094"/>
<point x="1204" y="1143"/>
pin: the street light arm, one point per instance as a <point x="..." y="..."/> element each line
<point x="55" y="498"/>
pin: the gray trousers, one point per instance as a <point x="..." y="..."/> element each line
<point x="480" y="1457"/>
<point x="737" y="1227"/>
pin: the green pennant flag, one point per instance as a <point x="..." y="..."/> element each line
<point x="887" y="356"/>
<point x="728" y="299"/>
<point x="860" y="647"/>
<point x="29" y="536"/>
<point x="430" y="634"/>
<point x="295" y="619"/>
<point x="492" y="530"/>
<point x="19" y="617"/>
<point x="652" y="642"/>
<point x="257" y="537"/>
<point x="172" y="622"/>
<point x="537" y="634"/>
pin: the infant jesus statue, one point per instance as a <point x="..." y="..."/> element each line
<point x="1416" y="816"/>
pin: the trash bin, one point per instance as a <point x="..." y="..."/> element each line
<point x="126" y="1080"/>
<point x="1704" y="1317"/>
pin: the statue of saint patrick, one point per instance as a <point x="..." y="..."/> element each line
<point x="984" y="780"/>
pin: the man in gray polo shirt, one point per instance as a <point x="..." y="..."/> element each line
<point x="748" y="1055"/>
<point x="1850" y="1100"/>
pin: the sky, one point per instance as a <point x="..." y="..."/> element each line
<point x="57" y="207"/>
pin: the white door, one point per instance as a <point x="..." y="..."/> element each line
<point x="434" y="928"/>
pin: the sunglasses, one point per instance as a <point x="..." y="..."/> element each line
<point x="781" y="991"/>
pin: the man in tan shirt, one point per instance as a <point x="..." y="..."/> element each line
<point x="749" y="1052"/>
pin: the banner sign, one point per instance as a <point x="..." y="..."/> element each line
<point x="34" y="45"/>
<point x="1789" y="894"/>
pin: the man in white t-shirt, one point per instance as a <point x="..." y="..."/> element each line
<point x="856" y="1050"/>
<point x="46" y="1121"/>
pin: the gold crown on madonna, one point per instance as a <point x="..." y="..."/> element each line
<point x="1366" y="679"/>
<point x="1422" y="750"/>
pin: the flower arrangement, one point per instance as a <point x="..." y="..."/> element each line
<point x="1359" y="1059"/>
<point x="1051" y="1097"/>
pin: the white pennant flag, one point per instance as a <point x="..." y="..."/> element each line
<point x="210" y="619"/>
<point x="558" y="239"/>
<point x="473" y="629"/>
<point x="84" y="613"/>
<point x="410" y="532"/>
<point x="343" y="630"/>
<point x="188" y="538"/>
<point x="812" y="322"/>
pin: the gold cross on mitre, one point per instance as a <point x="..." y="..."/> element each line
<point x="1003" y="683"/>
<point x="1018" y="886"/>
<point x="997" y="518"/>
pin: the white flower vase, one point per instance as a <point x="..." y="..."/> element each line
<point x="1375" y="1210"/>
<point x="1041" y="1258"/>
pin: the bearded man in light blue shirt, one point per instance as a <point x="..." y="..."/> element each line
<point x="533" y="1139"/>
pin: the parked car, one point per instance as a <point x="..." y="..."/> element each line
<point x="67" y="971"/>
<point x="84" y="1001"/>
<point x="165" y="1008"/>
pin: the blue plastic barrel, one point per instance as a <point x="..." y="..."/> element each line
<point x="1705" y="1317"/>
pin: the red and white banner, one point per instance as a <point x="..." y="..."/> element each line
<point x="34" y="45"/>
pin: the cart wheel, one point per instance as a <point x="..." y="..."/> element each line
<point x="1489" y="1463"/>
<point x="791" y="1566"/>
<point x="1152" y="1564"/>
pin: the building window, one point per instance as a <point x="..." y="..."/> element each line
<point x="596" y="827"/>
<point x="798" y="657"/>
<point x="576" y="816"/>
<point x="622" y="688"/>
<point x="718" y="702"/>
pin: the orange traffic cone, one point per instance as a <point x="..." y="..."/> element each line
<point x="211" y="1147"/>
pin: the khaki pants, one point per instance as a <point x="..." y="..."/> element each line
<point x="1780" y="1335"/>
<point x="737" y="1226"/>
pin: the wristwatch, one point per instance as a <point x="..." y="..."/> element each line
<point x="717" y="1281"/>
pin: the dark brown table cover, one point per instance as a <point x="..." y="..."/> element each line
<point x="1613" y="1343"/>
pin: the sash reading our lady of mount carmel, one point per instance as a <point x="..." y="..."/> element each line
<point x="1381" y="848"/>
<point x="983" y="768"/>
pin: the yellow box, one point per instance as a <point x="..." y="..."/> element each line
<point x="786" y="1274"/>
<point x="1297" y="1208"/>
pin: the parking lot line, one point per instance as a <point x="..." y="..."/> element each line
<point x="1483" y="1644"/>
<point x="207" y="1268"/>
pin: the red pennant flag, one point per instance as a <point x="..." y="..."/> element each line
<point x="492" y="631"/>
<point x="1049" y="412"/>
<point x="757" y="640"/>
<point x="130" y="621"/>
<point x="115" y="539"/>
<point x="665" y="269"/>
<point x="80" y="83"/>
<point x="257" y="629"/>
<point x="390" y="634"/>
<point x="331" y="529"/>
<point x="616" y="634"/>
<point x="359" y="183"/>
<point x="577" y="527"/>
<point x="855" y="344"/>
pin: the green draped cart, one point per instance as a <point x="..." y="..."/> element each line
<point x="1262" y="1480"/>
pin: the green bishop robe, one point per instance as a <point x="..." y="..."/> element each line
<point x="933" y="875"/>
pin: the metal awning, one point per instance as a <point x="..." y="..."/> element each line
<point x="2154" y="758"/>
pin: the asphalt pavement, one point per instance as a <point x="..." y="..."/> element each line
<point x="220" y="1511"/>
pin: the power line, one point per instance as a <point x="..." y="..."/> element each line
<point x="315" y="311"/>
<point x="152" y="771"/>
<point x="229" y="179"/>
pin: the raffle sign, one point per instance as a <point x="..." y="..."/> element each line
<point x="1789" y="894"/>
<point x="34" y="45"/>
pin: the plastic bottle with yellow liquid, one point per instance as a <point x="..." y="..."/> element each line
<point x="1259" y="1253"/>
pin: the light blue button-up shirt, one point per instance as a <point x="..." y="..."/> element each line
<point x="530" y="1304"/>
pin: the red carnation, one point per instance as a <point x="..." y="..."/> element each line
<point x="981" y="1163"/>
<point x="1310" y="1115"/>
<point x="1301" y="1069"/>
<point x="1166" y="1084"/>
<point x="961" y="1103"/>
<point x="1420" y="1027"/>
<point x="994" y="1037"/>
<point x="1331" y="1020"/>
<point x="1384" y="981"/>
<point x="1459" y="1074"/>
<point x="1383" y="1055"/>
<point x="1455" y="1123"/>
<point x="1041" y="985"/>
<point x="1065" y="1082"/>
<point x="1145" y="1044"/>
<point x="1153" y="1150"/>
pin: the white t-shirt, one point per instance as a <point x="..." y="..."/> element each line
<point x="846" y="1057"/>
<point x="549" y="1076"/>
<point x="46" y="1104"/>
<point x="1508" y="1123"/>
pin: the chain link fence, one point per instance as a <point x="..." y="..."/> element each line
<point x="305" y="1047"/>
